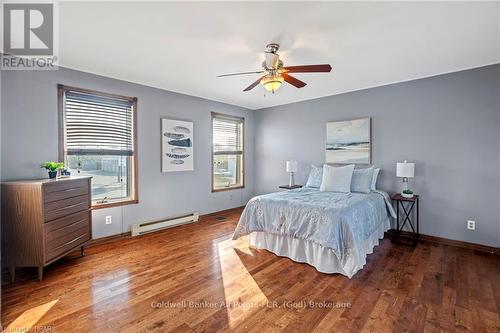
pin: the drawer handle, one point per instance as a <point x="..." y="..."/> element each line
<point x="71" y="241"/>
<point x="69" y="225"/>
<point x="70" y="206"/>
<point x="70" y="189"/>
<point x="67" y="190"/>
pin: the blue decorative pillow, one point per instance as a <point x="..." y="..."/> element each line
<point x="362" y="180"/>
<point x="315" y="177"/>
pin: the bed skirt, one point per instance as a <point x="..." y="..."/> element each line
<point x="321" y="258"/>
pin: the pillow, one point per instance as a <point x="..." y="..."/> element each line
<point x="315" y="176"/>
<point x="376" y="171"/>
<point x="337" y="179"/>
<point x="362" y="180"/>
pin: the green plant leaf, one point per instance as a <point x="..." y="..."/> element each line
<point x="52" y="166"/>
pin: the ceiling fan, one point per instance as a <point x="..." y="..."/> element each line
<point x="276" y="73"/>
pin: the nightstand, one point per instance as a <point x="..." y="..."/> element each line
<point x="288" y="187"/>
<point x="407" y="205"/>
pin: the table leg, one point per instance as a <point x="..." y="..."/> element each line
<point x="418" y="220"/>
<point x="397" y="220"/>
<point x="40" y="273"/>
<point x="12" y="274"/>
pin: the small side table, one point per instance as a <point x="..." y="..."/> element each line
<point x="288" y="187"/>
<point x="407" y="205"/>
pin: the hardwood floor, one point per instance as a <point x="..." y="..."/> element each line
<point x="194" y="278"/>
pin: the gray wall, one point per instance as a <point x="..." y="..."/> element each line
<point x="448" y="125"/>
<point x="29" y="135"/>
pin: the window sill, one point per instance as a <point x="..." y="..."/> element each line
<point x="114" y="204"/>
<point x="228" y="188"/>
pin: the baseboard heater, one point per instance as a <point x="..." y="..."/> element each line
<point x="151" y="226"/>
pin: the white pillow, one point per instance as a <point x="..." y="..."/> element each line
<point x="337" y="179"/>
<point x="374" y="179"/>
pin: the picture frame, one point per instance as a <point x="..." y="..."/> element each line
<point x="176" y="145"/>
<point x="349" y="141"/>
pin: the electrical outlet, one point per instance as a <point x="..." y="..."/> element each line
<point x="108" y="219"/>
<point x="471" y="224"/>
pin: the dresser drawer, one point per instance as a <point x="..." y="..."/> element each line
<point x="53" y="251"/>
<point x="60" y="208"/>
<point x="76" y="231"/>
<point x="65" y="189"/>
<point x="67" y="224"/>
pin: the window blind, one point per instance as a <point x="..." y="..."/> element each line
<point x="98" y="124"/>
<point x="227" y="135"/>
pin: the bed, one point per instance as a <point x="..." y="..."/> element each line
<point x="334" y="232"/>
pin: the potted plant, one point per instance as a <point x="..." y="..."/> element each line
<point x="407" y="193"/>
<point x="52" y="167"/>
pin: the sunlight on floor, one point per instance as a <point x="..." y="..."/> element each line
<point x="27" y="321"/>
<point x="242" y="294"/>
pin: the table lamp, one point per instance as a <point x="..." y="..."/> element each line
<point x="405" y="170"/>
<point x="291" y="167"/>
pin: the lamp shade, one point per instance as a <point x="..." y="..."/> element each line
<point x="291" y="166"/>
<point x="405" y="170"/>
<point x="272" y="83"/>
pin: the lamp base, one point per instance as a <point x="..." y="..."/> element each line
<point x="406" y="189"/>
<point x="291" y="181"/>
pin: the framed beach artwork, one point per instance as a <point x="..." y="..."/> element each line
<point x="176" y="145"/>
<point x="348" y="141"/>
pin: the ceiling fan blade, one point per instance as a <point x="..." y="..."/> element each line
<point x="307" y="68"/>
<point x="242" y="73"/>
<point x="253" y="85"/>
<point x="293" y="81"/>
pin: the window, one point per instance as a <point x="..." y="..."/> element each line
<point x="227" y="152"/>
<point x="97" y="138"/>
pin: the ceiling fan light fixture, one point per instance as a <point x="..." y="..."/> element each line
<point x="272" y="82"/>
<point x="276" y="73"/>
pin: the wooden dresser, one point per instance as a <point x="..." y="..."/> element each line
<point x="44" y="220"/>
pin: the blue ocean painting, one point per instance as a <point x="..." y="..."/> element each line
<point x="348" y="141"/>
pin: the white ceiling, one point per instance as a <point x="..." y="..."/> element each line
<point x="183" y="46"/>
